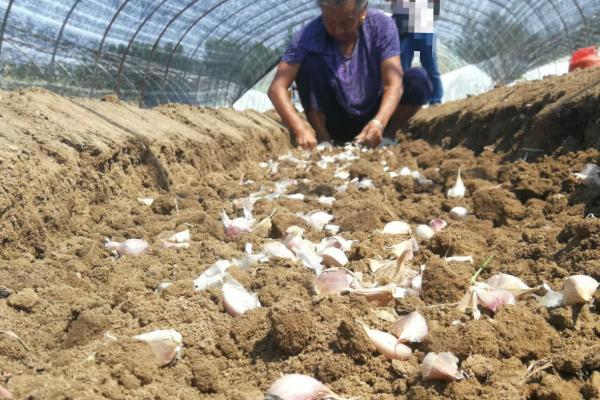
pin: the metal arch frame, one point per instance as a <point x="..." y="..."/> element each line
<point x="155" y="45"/>
<point x="100" y="47"/>
<point x="130" y="44"/>
<point x="50" y="73"/>
<point x="2" y="29"/>
<point x="562" y="21"/>
<point x="585" y="24"/>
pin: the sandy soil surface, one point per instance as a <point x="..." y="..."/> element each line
<point x="71" y="173"/>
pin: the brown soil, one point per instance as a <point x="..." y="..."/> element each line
<point x="72" y="171"/>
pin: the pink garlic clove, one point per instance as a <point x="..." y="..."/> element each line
<point x="236" y="299"/>
<point x="166" y="344"/>
<point x="387" y="344"/>
<point x="509" y="283"/>
<point x="579" y="289"/>
<point x="441" y="366"/>
<point x="299" y="387"/>
<point x="411" y="328"/>
<point x="437" y="224"/>
<point x="403" y="246"/>
<point x="5" y="394"/>
<point x="335" y="280"/>
<point x="334" y="257"/>
<point x="492" y="299"/>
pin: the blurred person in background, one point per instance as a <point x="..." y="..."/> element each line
<point x="415" y="22"/>
<point x="346" y="65"/>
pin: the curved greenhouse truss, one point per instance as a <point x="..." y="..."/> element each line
<point x="210" y="52"/>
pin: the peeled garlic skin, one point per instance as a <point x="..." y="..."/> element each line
<point x="440" y="366"/>
<point x="579" y="289"/>
<point x="411" y="327"/>
<point x="299" y="387"/>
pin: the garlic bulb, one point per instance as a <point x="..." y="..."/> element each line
<point x="299" y="387"/>
<point x="437" y="224"/>
<point x="579" y="289"/>
<point x="166" y="344"/>
<point x="411" y="327"/>
<point x="458" y="190"/>
<point x="180" y="237"/>
<point x="396" y="228"/>
<point x="132" y="247"/>
<point x="441" y="366"/>
<point x="387" y="344"/>
<point x="459" y="213"/>
<point x="237" y="299"/>
<point x="335" y="280"/>
<point x="334" y="257"/>
<point x="424" y="232"/>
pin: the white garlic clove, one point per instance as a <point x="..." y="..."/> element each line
<point x="166" y="344"/>
<point x="551" y="298"/>
<point x="458" y="190"/>
<point x="295" y="196"/>
<point x="441" y="366"/>
<point x="180" y="237"/>
<point x="590" y="174"/>
<point x="460" y="259"/>
<point x="236" y="299"/>
<point x="509" y="283"/>
<point x="335" y="280"/>
<point x="387" y="344"/>
<point x="239" y="225"/>
<point x="375" y="265"/>
<point x="492" y="299"/>
<point x="171" y="245"/>
<point x="132" y="247"/>
<point x="334" y="257"/>
<point x="381" y="295"/>
<point x="331" y="229"/>
<point x="437" y="224"/>
<point x="411" y="327"/>
<point x="402" y="247"/>
<point x="424" y="232"/>
<point x="310" y="259"/>
<point x="459" y="213"/>
<point x="147" y="201"/>
<point x="326" y="201"/>
<point x="336" y="241"/>
<point x="316" y="219"/>
<point x="396" y="228"/>
<point x="299" y="387"/>
<point x="213" y="276"/>
<point x="579" y="289"/>
<point x="279" y="250"/>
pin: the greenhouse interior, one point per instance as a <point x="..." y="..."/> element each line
<point x="300" y="199"/>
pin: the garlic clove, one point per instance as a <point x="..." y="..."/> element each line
<point x="492" y="299"/>
<point x="579" y="289"/>
<point x="5" y="394"/>
<point x="424" y="232"/>
<point x="459" y="213"/>
<point x="331" y="229"/>
<point x="400" y="248"/>
<point x="590" y="174"/>
<point x="375" y="265"/>
<point x="441" y="366"/>
<point x="310" y="259"/>
<point x="239" y="225"/>
<point x="263" y="228"/>
<point x="299" y="387"/>
<point x="335" y="280"/>
<point x="509" y="283"/>
<point x="326" y="201"/>
<point x="458" y="190"/>
<point x="295" y="196"/>
<point x="460" y="259"/>
<point x="181" y="237"/>
<point x="316" y="219"/>
<point x="334" y="257"/>
<point x="381" y="295"/>
<point x="338" y="242"/>
<point x="236" y="299"/>
<point x="437" y="224"/>
<point x="411" y="327"/>
<point x="278" y="250"/>
<point x="551" y="298"/>
<point x="132" y="247"/>
<point x="166" y="344"/>
<point x="171" y="245"/>
<point x="213" y="276"/>
<point x="147" y="201"/>
<point x="396" y="228"/>
<point x="387" y="344"/>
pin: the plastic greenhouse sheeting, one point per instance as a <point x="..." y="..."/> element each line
<point x="211" y="52"/>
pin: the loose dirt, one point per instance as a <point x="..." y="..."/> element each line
<point x="71" y="173"/>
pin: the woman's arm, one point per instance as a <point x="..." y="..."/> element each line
<point x="391" y="72"/>
<point x="278" y="94"/>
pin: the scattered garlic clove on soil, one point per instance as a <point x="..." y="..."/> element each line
<point x="295" y="196"/>
<point x="411" y="327"/>
<point x="551" y="298"/>
<point x="181" y="237"/>
<point x="458" y="190"/>
<point x="396" y="228"/>
<point x="326" y="201"/>
<point x="424" y="232"/>
<point x="441" y="366"/>
<point x="387" y="344"/>
<point x="381" y="295"/>
<point x="236" y="299"/>
<point x="5" y="394"/>
<point x="317" y="219"/>
<point x="334" y="257"/>
<point x="132" y="247"/>
<point x="460" y="259"/>
<point x="147" y="201"/>
<point x="171" y="245"/>
<point x="509" y="283"/>
<point x="437" y="224"/>
<point x="335" y="280"/>
<point x="579" y="289"/>
<point x="166" y="344"/>
<point x="459" y="213"/>
<point x="279" y="250"/>
<point x="492" y="299"/>
<point x="263" y="228"/>
<point x="299" y="387"/>
<point x="331" y="229"/>
<point x="400" y="248"/>
<point x="213" y="276"/>
<point x="310" y="259"/>
<point x="590" y="174"/>
<point x="237" y="225"/>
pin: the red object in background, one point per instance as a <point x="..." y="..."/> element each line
<point x="585" y="58"/>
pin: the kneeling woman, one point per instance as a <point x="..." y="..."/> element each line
<point x="346" y="64"/>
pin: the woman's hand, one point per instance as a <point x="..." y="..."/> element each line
<point x="371" y="135"/>
<point x="305" y="139"/>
